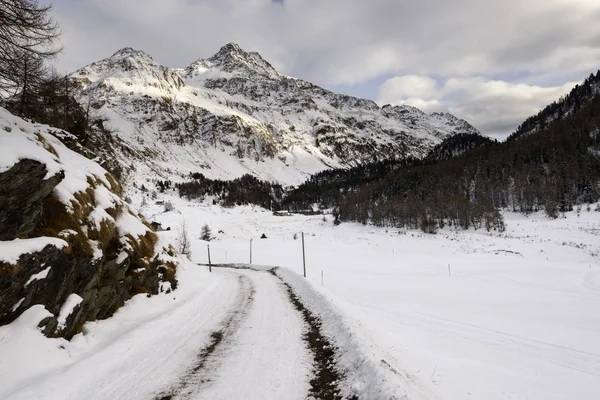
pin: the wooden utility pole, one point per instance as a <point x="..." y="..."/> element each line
<point x="209" y="266"/>
<point x="303" y="255"/>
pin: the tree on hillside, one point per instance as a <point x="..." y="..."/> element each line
<point x="185" y="243"/>
<point x="206" y="233"/>
<point x="27" y="37"/>
<point x="30" y="77"/>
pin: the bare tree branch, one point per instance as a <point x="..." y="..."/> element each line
<point x="27" y="36"/>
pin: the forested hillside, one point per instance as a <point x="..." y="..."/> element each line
<point x="244" y="190"/>
<point x="566" y="105"/>
<point x="456" y="145"/>
<point x="555" y="169"/>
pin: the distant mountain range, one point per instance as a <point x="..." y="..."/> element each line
<point x="233" y="114"/>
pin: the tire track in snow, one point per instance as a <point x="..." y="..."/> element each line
<point x="325" y="383"/>
<point x="326" y="374"/>
<point x="201" y="377"/>
<point x="198" y="375"/>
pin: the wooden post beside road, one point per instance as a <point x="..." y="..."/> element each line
<point x="209" y="266"/>
<point x="303" y="255"/>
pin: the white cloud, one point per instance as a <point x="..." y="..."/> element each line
<point x="427" y="106"/>
<point x="408" y="86"/>
<point x="495" y="107"/>
<point x="346" y="41"/>
<point x="355" y="42"/>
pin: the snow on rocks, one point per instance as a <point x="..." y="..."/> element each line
<point x="18" y="141"/>
<point x="18" y="304"/>
<point x="129" y="224"/>
<point x="40" y="275"/>
<point x="67" y="308"/>
<point x="74" y="220"/>
<point x="12" y="250"/>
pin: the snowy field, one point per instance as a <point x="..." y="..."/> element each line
<point x="469" y="315"/>
<point x="457" y="315"/>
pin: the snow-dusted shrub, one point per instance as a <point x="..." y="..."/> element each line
<point x="169" y="206"/>
<point x="429" y="225"/>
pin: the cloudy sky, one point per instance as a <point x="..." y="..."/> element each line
<point x="491" y="62"/>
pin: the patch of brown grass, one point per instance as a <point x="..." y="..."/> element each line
<point x="143" y="246"/>
<point x="56" y="218"/>
<point x="8" y="270"/>
<point x="47" y="146"/>
<point x="115" y="211"/>
<point x="83" y="204"/>
<point x="107" y="237"/>
<point x="138" y="290"/>
<point x="169" y="270"/>
<point x="115" y="186"/>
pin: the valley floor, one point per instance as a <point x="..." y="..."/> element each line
<point x="457" y="315"/>
<point x="469" y="315"/>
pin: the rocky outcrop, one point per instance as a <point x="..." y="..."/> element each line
<point x="24" y="188"/>
<point x="68" y="241"/>
<point x="104" y="286"/>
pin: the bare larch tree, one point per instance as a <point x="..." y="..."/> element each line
<point x="27" y="37"/>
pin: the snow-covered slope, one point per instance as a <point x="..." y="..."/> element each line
<point x="233" y="113"/>
<point x="70" y="246"/>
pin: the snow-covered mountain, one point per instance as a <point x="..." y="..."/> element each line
<point x="233" y="113"/>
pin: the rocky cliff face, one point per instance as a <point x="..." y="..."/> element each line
<point x="67" y="240"/>
<point x="233" y="113"/>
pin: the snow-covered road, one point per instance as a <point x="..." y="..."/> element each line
<point x="237" y="337"/>
<point x="258" y="353"/>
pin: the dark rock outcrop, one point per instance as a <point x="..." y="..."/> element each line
<point x="23" y="191"/>
<point x="104" y="279"/>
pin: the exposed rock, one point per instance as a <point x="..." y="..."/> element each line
<point x="24" y="187"/>
<point x="106" y="252"/>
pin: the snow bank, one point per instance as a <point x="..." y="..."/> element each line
<point x="12" y="250"/>
<point x="67" y="309"/>
<point x="368" y="372"/>
<point x="368" y="375"/>
<point x="18" y="142"/>
<point x="26" y="352"/>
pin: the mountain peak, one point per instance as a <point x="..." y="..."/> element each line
<point x="135" y="66"/>
<point x="231" y="48"/>
<point x="232" y="58"/>
<point x="128" y="52"/>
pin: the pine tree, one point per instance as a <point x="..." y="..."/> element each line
<point x="206" y="233"/>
